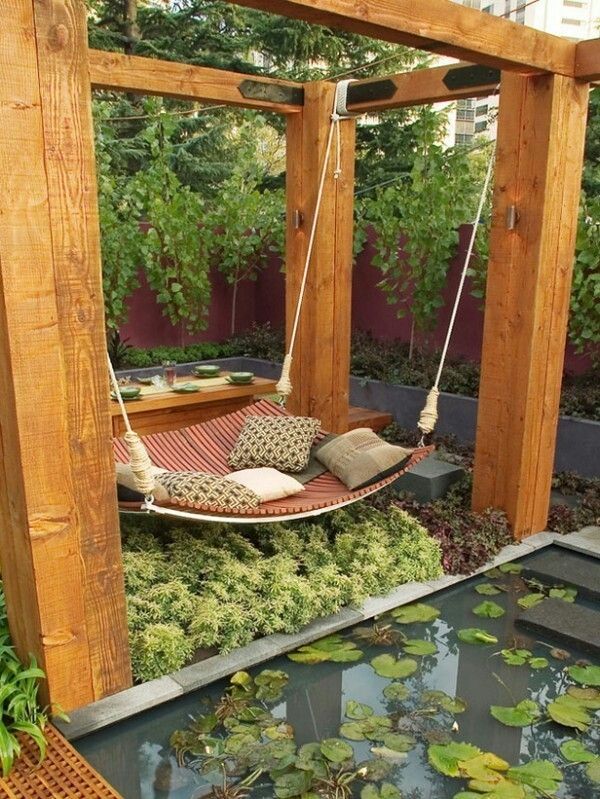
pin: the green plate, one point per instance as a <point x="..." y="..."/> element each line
<point x="145" y="381"/>
<point x="124" y="398"/>
<point x="240" y="382"/>
<point x="185" y="388"/>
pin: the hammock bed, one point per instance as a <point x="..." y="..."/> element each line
<point x="205" y="448"/>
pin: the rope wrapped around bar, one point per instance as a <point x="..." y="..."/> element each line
<point x="141" y="465"/>
<point x="284" y="385"/>
<point x="429" y="414"/>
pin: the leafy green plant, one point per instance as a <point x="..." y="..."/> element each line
<point x="159" y="649"/>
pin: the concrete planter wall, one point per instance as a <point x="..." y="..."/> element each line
<point x="578" y="441"/>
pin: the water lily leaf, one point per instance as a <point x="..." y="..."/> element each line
<point x="414" y="646"/>
<point x="538" y="663"/>
<point x="310" y="658"/>
<point x="585" y="675"/>
<point x="515" y="657"/>
<point x="374" y="770"/>
<point x="399" y="742"/>
<point x="566" y="594"/>
<point x="504" y="789"/>
<point x="333" y="648"/>
<point x="356" y="710"/>
<point x="386" y="791"/>
<point x="294" y="783"/>
<point x="445" y="758"/>
<point x="331" y="643"/>
<point x="482" y="767"/>
<point x="353" y="730"/>
<point x="239" y="742"/>
<point x="467" y="795"/>
<point x="542" y="775"/>
<point x="530" y="600"/>
<point x="396" y="691"/>
<point x="593" y="770"/>
<point x="395" y="669"/>
<point x="569" y="712"/>
<point x="443" y="700"/>
<point x="575" y="752"/>
<point x="493" y="573"/>
<point x="522" y="714"/>
<point x="588" y="697"/>
<point x="204" y="724"/>
<point x="282" y="730"/>
<point x="336" y="750"/>
<point x="345" y="656"/>
<point x="489" y="610"/>
<point x="511" y="568"/>
<point x="473" y="635"/>
<point x="418" y="612"/>
<point x="487" y="589"/>
<point x="243" y="680"/>
<point x="270" y="684"/>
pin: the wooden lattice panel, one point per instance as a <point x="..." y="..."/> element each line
<point x="64" y="774"/>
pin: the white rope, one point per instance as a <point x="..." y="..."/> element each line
<point x="339" y="112"/>
<point x="429" y="414"/>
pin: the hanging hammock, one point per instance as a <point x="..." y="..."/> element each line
<point x="205" y="448"/>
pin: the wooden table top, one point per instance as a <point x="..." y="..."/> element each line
<point x="170" y="399"/>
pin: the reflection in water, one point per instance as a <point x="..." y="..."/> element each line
<point x="136" y="758"/>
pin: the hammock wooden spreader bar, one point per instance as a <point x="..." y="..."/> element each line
<point x="205" y="448"/>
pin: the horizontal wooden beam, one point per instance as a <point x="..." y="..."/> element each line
<point x="420" y="87"/>
<point x="118" y="72"/>
<point x="587" y="60"/>
<point x="438" y="26"/>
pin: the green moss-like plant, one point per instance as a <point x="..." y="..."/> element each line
<point x="159" y="649"/>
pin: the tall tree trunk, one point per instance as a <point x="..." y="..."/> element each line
<point x="132" y="30"/>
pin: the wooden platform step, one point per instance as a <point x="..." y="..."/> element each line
<point x="364" y="417"/>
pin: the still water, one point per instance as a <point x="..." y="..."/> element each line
<point x="136" y="758"/>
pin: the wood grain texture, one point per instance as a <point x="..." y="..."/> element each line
<point x="182" y="81"/>
<point x="61" y="35"/>
<point x="587" y="60"/>
<point x="39" y="530"/>
<point x="420" y="87"/>
<point x="439" y="26"/>
<point x="540" y="154"/>
<point x="321" y="365"/>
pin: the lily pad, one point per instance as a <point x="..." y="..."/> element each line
<point x="541" y="775"/>
<point x="356" y="710"/>
<point x="374" y="770"/>
<point x="489" y="610"/>
<point x="371" y="727"/>
<point x="588" y="697"/>
<point x="294" y="783"/>
<point x="585" y="675"/>
<point x="473" y="635"/>
<point x="592" y="770"/>
<point x="487" y="589"/>
<point x="575" y="752"/>
<point x="445" y="758"/>
<point x="414" y="646"/>
<point x="538" y="663"/>
<point x="522" y="714"/>
<point x="336" y="750"/>
<point x="566" y="594"/>
<point x="393" y="668"/>
<point x="385" y="791"/>
<point x="399" y="742"/>
<point x="333" y="648"/>
<point x="515" y="657"/>
<point x="511" y="568"/>
<point x="452" y="704"/>
<point x="530" y="600"/>
<point x="569" y="712"/>
<point x="396" y="691"/>
<point x="418" y="612"/>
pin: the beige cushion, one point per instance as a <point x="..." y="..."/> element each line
<point x="268" y="483"/>
<point x="359" y="457"/>
<point x="125" y="478"/>
<point x="197" y="488"/>
<point x="282" y="442"/>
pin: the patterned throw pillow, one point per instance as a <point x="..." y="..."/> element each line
<point x="197" y="488"/>
<point x="282" y="442"/>
<point x="359" y="458"/>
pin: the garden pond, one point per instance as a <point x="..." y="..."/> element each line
<point x="439" y="699"/>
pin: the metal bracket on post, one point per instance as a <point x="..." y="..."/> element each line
<point x="512" y="217"/>
<point x="471" y="76"/>
<point x="297" y="219"/>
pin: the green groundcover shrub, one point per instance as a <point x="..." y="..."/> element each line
<point x="210" y="586"/>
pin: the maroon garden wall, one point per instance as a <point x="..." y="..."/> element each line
<point x="263" y="301"/>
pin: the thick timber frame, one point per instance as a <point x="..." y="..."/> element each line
<point x="59" y="537"/>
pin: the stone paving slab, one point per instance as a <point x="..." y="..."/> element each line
<point x="565" y="622"/>
<point x="555" y="567"/>
<point x="586" y="541"/>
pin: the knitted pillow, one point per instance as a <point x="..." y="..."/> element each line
<point x="268" y="483"/>
<point x="359" y="458"/>
<point x="197" y="488"/>
<point x="282" y="442"/>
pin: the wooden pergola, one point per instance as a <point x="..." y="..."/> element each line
<point x="59" y="532"/>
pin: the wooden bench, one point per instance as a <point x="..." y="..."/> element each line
<point x="170" y="411"/>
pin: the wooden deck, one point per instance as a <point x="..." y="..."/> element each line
<point x="64" y="774"/>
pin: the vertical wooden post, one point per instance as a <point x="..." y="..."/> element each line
<point x="541" y="135"/>
<point x="59" y="533"/>
<point x="321" y="366"/>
